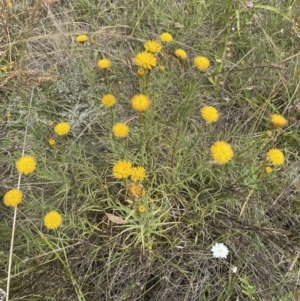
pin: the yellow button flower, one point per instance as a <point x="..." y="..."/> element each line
<point x="138" y="173"/>
<point x="180" y="53"/>
<point x="82" y="38"/>
<point x="276" y="156"/>
<point x="26" y="165"/>
<point x="145" y="60"/>
<point x="104" y="63"/>
<point x="13" y="197"/>
<point x="122" y="169"/>
<point x="140" y="102"/>
<point x="108" y="100"/>
<point x="62" y="128"/>
<point x="221" y="152"/>
<point x="140" y="72"/>
<point x="52" y="220"/>
<point x="201" y="62"/>
<point x="142" y="208"/>
<point x="278" y="120"/>
<point x="166" y="37"/>
<point x="209" y="114"/>
<point x="269" y="169"/>
<point x="120" y="130"/>
<point x="153" y="46"/>
<point x="51" y="142"/>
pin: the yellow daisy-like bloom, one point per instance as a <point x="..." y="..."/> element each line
<point x="269" y="169"/>
<point x="62" y="128"/>
<point x="13" y="197"/>
<point x="82" y="38"/>
<point x="120" y="130"/>
<point x="153" y="46"/>
<point x="278" y="120"/>
<point x="276" y="156"/>
<point x="166" y="37"/>
<point x="51" y="142"/>
<point x="138" y="173"/>
<point x="209" y="114"/>
<point x="26" y="165"/>
<point x="104" y="63"/>
<point x="122" y="169"/>
<point x="108" y="100"/>
<point x="140" y="102"/>
<point x="201" y="62"/>
<point x="52" y="220"/>
<point x="140" y="72"/>
<point x="142" y="208"/>
<point x="180" y="53"/>
<point x="221" y="152"/>
<point x="145" y="60"/>
<point x="135" y="191"/>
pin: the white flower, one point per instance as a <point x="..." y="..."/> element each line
<point x="234" y="269"/>
<point x="219" y="250"/>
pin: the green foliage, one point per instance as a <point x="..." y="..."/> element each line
<point x="247" y="289"/>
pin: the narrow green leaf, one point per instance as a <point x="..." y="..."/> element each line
<point x="275" y="10"/>
<point x="237" y="15"/>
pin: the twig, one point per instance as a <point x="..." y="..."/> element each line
<point x="15" y="210"/>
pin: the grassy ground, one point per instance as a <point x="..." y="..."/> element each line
<point x="106" y="249"/>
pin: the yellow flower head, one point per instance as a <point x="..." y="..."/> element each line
<point x="108" y="100"/>
<point x="122" y="169"/>
<point x="276" y="156"/>
<point x="104" y="63"/>
<point x="209" y="114"/>
<point x="166" y="37"/>
<point x="140" y="102"/>
<point x="120" y="130"/>
<point x="142" y="208"/>
<point x="201" y="62"/>
<point x="82" y="38"/>
<point x="269" y="169"/>
<point x="153" y="46"/>
<point x="26" y="165"/>
<point x="180" y="53"/>
<point x="51" y="141"/>
<point x="138" y="173"/>
<point x="62" y="128"/>
<point x="13" y="197"/>
<point x="135" y="191"/>
<point x="140" y="72"/>
<point x="52" y="220"/>
<point x="145" y="60"/>
<point x="278" y="120"/>
<point x="221" y="152"/>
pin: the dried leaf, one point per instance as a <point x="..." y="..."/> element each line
<point x="116" y="219"/>
<point x="178" y="25"/>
